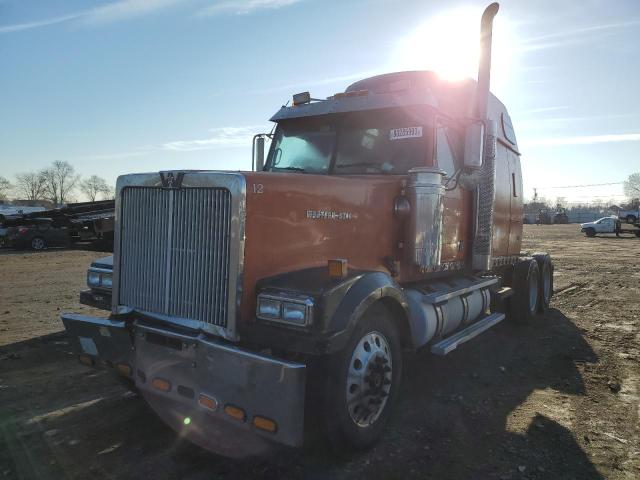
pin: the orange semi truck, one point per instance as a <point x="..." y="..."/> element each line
<point x="384" y="220"/>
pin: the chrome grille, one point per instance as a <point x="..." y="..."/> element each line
<point x="174" y="252"/>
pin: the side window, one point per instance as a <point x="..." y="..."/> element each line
<point x="446" y="153"/>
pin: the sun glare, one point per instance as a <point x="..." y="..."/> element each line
<point x="448" y="44"/>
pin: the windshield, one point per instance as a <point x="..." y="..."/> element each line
<point x="387" y="142"/>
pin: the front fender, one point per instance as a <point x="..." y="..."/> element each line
<point x="364" y="292"/>
<point x="338" y="306"/>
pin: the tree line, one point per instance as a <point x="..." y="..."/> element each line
<point x="57" y="184"/>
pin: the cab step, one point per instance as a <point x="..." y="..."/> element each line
<point x="449" y="344"/>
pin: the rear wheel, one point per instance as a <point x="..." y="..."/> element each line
<point x="631" y="219"/>
<point x="590" y="232"/>
<point x="545" y="284"/>
<point x="38" y="243"/>
<point x="362" y="382"/>
<point x="526" y="290"/>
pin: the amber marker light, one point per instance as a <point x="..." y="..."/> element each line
<point x="235" y="412"/>
<point x="265" y="424"/>
<point x="338" y="268"/>
<point x="161" y="384"/>
<point x="207" y="402"/>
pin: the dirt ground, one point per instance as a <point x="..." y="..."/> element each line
<point x="557" y="399"/>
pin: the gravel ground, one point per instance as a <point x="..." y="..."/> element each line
<point x="555" y="399"/>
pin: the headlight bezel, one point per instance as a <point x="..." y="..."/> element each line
<point x="96" y="278"/>
<point x="293" y="302"/>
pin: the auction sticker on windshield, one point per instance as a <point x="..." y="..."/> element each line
<point x="406" y="132"/>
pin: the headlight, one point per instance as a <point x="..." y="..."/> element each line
<point x="285" y="308"/>
<point x="99" y="278"/>
<point x="269" y="308"/>
<point x="93" y="279"/>
<point x="106" y="280"/>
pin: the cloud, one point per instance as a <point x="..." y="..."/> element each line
<point x="115" y="11"/>
<point x="220" y="137"/>
<point x="115" y="156"/>
<point x="18" y="27"/>
<point x="125" y="9"/>
<point x="534" y="111"/>
<point x="574" y="36"/>
<point x="582" y="140"/>
<point x="244" y="7"/>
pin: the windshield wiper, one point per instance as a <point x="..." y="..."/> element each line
<point x="293" y="169"/>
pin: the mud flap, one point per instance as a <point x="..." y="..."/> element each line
<point x="106" y="341"/>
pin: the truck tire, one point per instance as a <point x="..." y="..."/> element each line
<point x="631" y="219"/>
<point x="38" y="243"/>
<point x="545" y="286"/>
<point x="526" y="290"/>
<point x="590" y="232"/>
<point x="362" y="382"/>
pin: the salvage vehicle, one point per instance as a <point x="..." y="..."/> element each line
<point x="607" y="225"/>
<point x="99" y="281"/>
<point x="629" y="216"/>
<point x="37" y="234"/>
<point x="386" y="219"/>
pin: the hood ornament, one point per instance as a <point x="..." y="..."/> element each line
<point x="171" y="179"/>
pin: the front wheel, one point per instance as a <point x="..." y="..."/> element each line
<point x="362" y="382"/>
<point x="590" y="232"/>
<point x="631" y="219"/>
<point x="38" y="243"/>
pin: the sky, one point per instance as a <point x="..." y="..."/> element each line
<point x="123" y="86"/>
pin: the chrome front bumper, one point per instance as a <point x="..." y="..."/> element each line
<point x="193" y="365"/>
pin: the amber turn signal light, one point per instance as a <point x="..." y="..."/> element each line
<point x="338" y="268"/>
<point x="208" y="402"/>
<point x="265" y="424"/>
<point x="161" y="384"/>
<point x="235" y="412"/>
<point x="124" y="369"/>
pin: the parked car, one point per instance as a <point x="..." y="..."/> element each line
<point x="99" y="276"/>
<point x="37" y="234"/>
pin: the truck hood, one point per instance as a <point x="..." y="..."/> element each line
<point x="104" y="262"/>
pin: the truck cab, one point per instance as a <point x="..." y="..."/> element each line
<point x="386" y="219"/>
<point x="602" y="225"/>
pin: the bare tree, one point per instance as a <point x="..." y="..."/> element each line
<point x="5" y="188"/>
<point x="30" y="186"/>
<point x="632" y="185"/>
<point x="94" y="186"/>
<point x="60" y="180"/>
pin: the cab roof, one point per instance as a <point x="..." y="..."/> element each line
<point x="403" y="89"/>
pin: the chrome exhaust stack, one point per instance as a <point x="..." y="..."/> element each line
<point x="483" y="141"/>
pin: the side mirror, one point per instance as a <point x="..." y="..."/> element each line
<point x="478" y="142"/>
<point x="257" y="154"/>
<point x="474" y="145"/>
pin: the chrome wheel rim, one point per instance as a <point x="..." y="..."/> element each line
<point x="369" y="379"/>
<point x="533" y="291"/>
<point x="37" y="244"/>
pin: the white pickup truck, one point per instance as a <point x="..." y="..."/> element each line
<point x="629" y="216"/>
<point x="606" y="225"/>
